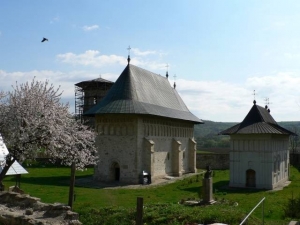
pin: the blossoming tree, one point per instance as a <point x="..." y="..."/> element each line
<point x="32" y="119"/>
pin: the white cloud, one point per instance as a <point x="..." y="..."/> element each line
<point x="223" y="101"/>
<point x="138" y="52"/>
<point x="278" y="24"/>
<point x="91" y="58"/>
<point x="292" y="55"/>
<point x="147" y="64"/>
<point x="54" y="20"/>
<point x="65" y="81"/>
<point x="90" y="28"/>
<point x="209" y="100"/>
<point x="95" y="59"/>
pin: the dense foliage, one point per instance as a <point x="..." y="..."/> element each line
<point x="292" y="207"/>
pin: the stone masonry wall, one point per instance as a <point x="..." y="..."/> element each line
<point x="215" y="161"/>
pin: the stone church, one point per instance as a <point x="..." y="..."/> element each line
<point x="143" y="125"/>
<point x="259" y="154"/>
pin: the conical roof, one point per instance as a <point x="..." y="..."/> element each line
<point x="257" y="121"/>
<point x="138" y="91"/>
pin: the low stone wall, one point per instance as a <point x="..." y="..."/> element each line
<point x="16" y="209"/>
<point x="215" y="161"/>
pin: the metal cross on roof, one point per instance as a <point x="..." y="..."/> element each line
<point x="128" y="50"/>
<point x="254" y="94"/>
<point x="167" y="74"/>
<point x="174" y="85"/>
<point x="128" y="59"/>
<point x="267" y="101"/>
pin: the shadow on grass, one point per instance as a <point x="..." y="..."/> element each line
<point x="223" y="186"/>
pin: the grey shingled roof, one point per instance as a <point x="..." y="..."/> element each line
<point x="87" y="83"/>
<point x="257" y="121"/>
<point x="138" y="91"/>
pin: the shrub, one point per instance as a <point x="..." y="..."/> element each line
<point x="292" y="208"/>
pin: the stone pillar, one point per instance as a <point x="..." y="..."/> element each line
<point x="207" y="187"/>
<point x="176" y="158"/>
<point x="148" y="162"/>
<point x="207" y="191"/>
<point x="192" y="155"/>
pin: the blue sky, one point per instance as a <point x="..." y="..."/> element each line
<point x="220" y="51"/>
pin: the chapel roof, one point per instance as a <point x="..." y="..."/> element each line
<point x="138" y="91"/>
<point x="257" y="121"/>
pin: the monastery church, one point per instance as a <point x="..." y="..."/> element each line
<point x="259" y="154"/>
<point x="143" y="126"/>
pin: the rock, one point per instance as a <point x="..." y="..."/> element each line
<point x="28" y="211"/>
<point x="16" y="189"/>
<point x="23" y="209"/>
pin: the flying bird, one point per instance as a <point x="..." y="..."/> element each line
<point x="44" y="39"/>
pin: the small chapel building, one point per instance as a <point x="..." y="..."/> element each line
<point x="259" y="154"/>
<point x="143" y="127"/>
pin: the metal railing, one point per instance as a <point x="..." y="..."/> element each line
<point x="261" y="201"/>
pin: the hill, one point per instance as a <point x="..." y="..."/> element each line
<point x="207" y="136"/>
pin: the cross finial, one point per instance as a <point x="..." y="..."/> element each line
<point x="254" y="101"/>
<point x="128" y="50"/>
<point x="167" y="74"/>
<point x="267" y="101"/>
<point x="128" y="59"/>
<point x="254" y="94"/>
<point x="174" y="81"/>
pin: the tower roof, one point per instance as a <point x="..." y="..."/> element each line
<point x="88" y="83"/>
<point x="138" y="91"/>
<point x="257" y="121"/>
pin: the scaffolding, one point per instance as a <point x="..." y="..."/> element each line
<point x="88" y="94"/>
<point x="79" y="102"/>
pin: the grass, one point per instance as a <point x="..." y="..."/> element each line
<point x="161" y="202"/>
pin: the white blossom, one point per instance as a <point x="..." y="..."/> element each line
<point x="33" y="119"/>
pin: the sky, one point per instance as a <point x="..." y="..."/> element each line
<point x="218" y="52"/>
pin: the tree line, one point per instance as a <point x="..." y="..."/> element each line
<point x="206" y="134"/>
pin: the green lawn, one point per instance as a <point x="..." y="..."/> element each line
<point x="51" y="185"/>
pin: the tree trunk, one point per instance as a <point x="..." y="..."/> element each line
<point x="8" y="164"/>
<point x="72" y="184"/>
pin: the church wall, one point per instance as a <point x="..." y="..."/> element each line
<point x="138" y="143"/>
<point x="116" y="143"/>
<point x="163" y="132"/>
<point x="259" y="153"/>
